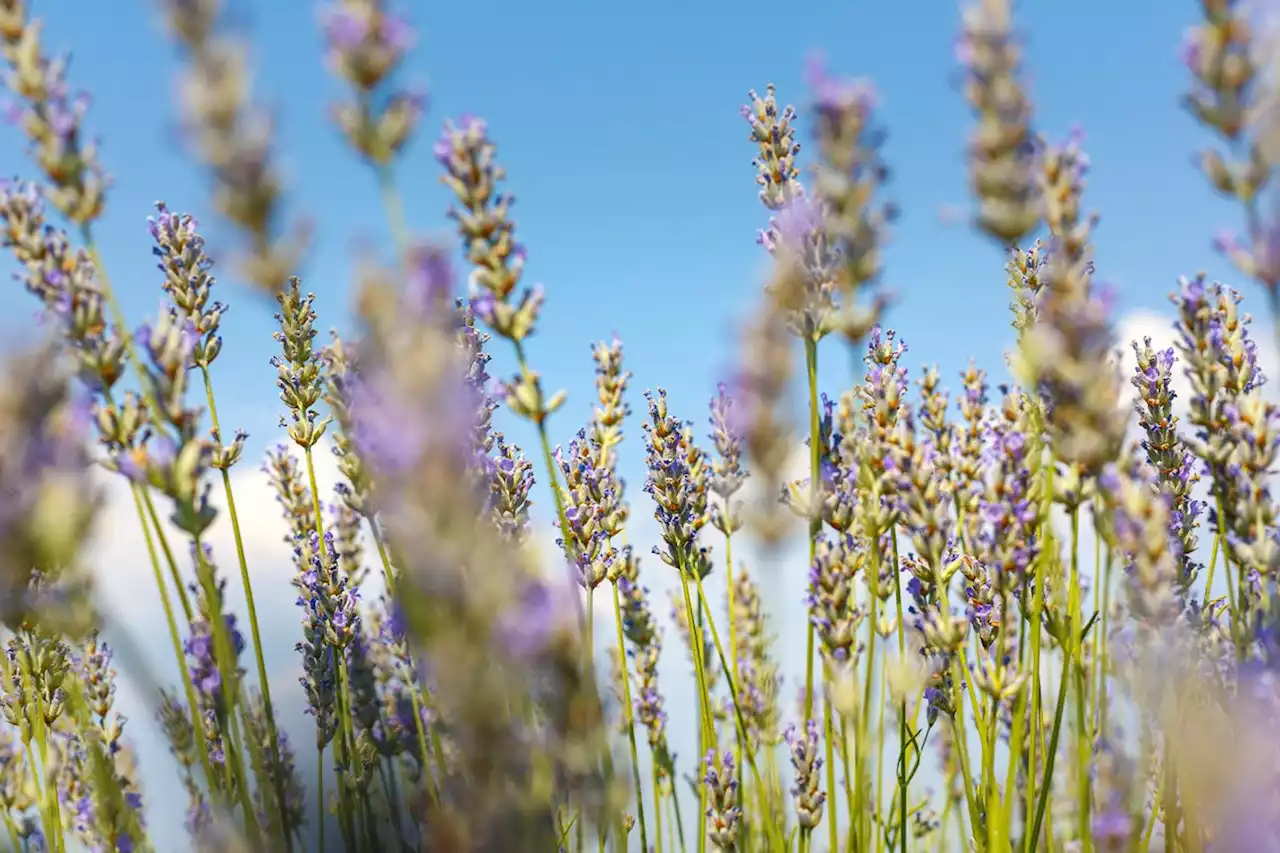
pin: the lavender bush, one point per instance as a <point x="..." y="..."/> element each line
<point x="1062" y="694"/>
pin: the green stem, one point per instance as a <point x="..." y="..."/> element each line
<point x="708" y="732"/>
<point x="1051" y="753"/>
<point x="657" y="806"/>
<point x="630" y="716"/>
<point x="225" y="657"/>
<point x="391" y="205"/>
<point x="181" y="588"/>
<point x="833" y="814"/>
<point x="268" y="708"/>
<point x="902" y="727"/>
<point x="815" y="523"/>
<point x="175" y="638"/>
<point x="1074" y="662"/>
<point x="320" y="794"/>
<point x="733" y="691"/>
<point x="739" y="741"/>
<point x="1103" y="704"/>
<point x="902" y="780"/>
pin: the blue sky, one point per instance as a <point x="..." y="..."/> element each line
<point x="619" y="128"/>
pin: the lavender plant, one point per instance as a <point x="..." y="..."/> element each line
<point x="453" y="681"/>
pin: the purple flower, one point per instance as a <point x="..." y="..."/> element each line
<point x="543" y="609"/>
<point x="835" y="97"/>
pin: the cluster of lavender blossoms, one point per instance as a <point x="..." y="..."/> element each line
<point x="976" y="674"/>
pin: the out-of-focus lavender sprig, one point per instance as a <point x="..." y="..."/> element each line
<point x="51" y="117"/>
<point x="760" y="391"/>
<point x="727" y="472"/>
<point x="758" y="680"/>
<point x="846" y="178"/>
<point x="64" y="279"/>
<point x="1000" y="150"/>
<point x="1067" y="354"/>
<point x="233" y="139"/>
<point x="796" y="228"/>
<point x="1227" y="55"/>
<point x="366" y="43"/>
<point x="1145" y="534"/>
<point x="278" y="765"/>
<point x="462" y="587"/>
<point x="48" y="501"/>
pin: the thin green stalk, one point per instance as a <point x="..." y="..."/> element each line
<point x="962" y="754"/>
<point x="1073" y="661"/>
<point x="236" y="757"/>
<point x="993" y="806"/>
<point x="391" y="205"/>
<point x="739" y="744"/>
<point x="1017" y="735"/>
<point x="315" y="501"/>
<point x="174" y="636"/>
<point x="320" y="794"/>
<point x="815" y="523"/>
<point x="344" y="741"/>
<point x="36" y="755"/>
<point x="346" y="734"/>
<point x="848" y="776"/>
<point x="878" y="790"/>
<point x="733" y="689"/>
<point x="708" y="734"/>
<point x="1151" y="818"/>
<point x="225" y="658"/>
<point x="1104" y="706"/>
<point x="1213" y="564"/>
<point x="168" y="553"/>
<point x="1051" y="753"/>
<point x="13" y="832"/>
<point x="675" y="805"/>
<point x="902" y="655"/>
<point x="902" y="779"/>
<point x="263" y="682"/>
<point x="630" y="716"/>
<point x="1037" y="608"/>
<point x="864" y="724"/>
<point x="657" y="806"/>
<point x="117" y="317"/>
<point x="833" y="813"/>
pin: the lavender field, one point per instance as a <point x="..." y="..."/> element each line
<point x="879" y="459"/>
